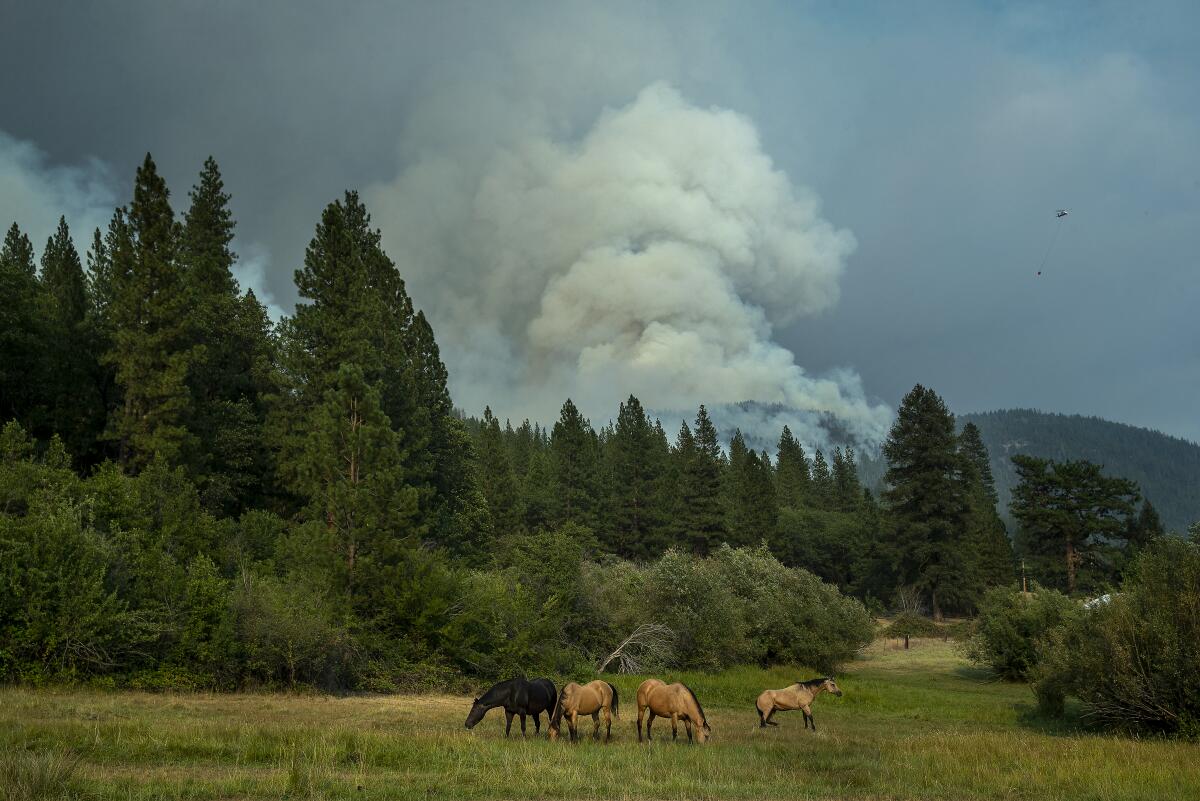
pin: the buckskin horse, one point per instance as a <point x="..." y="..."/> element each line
<point x="518" y="696"/>
<point x="798" y="696"/>
<point x="593" y="698"/>
<point x="674" y="701"/>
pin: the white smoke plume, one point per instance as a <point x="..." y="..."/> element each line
<point x="34" y="193"/>
<point x="655" y="255"/>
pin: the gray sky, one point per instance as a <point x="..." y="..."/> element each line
<point x="942" y="136"/>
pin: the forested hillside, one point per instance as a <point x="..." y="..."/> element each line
<point x="1166" y="468"/>
<point x="192" y="496"/>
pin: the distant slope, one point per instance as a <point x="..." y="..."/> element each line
<point x="1166" y="468"/>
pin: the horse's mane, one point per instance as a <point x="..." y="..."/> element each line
<point x="814" y="682"/>
<point x="703" y="717"/>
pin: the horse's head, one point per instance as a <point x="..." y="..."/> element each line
<point x="476" y="714"/>
<point x="831" y="686"/>
<point x="703" y="733"/>
<point x="552" y="731"/>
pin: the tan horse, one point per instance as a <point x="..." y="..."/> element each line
<point x="798" y="696"/>
<point x="594" y="698"/>
<point x="674" y="701"/>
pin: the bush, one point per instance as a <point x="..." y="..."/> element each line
<point x="1134" y="662"/>
<point x="910" y="624"/>
<point x="1012" y="624"/>
<point x="289" y="636"/>
<point x="789" y="615"/>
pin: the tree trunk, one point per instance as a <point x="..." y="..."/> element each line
<point x="905" y="642"/>
<point x="937" y="609"/>
<point x="1071" y="558"/>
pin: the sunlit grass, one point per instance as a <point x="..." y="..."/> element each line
<point x="912" y="724"/>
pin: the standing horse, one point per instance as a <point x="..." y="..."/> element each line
<point x="674" y="701"/>
<point x="593" y="698"/>
<point x="798" y="696"/>
<point x="518" y="697"/>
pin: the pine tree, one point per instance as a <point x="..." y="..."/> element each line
<point x="232" y="364"/>
<point x="635" y="459"/>
<point x="990" y="550"/>
<point x="847" y="489"/>
<point x="537" y="490"/>
<point x="350" y="470"/>
<point x="823" y="489"/>
<point x="1069" y="513"/>
<point x="359" y="312"/>
<point x="573" y="455"/>
<point x="22" y="333"/>
<point x="75" y="413"/>
<point x="150" y="350"/>
<point x="793" y="481"/>
<point x="702" y="513"/>
<point x="927" y="500"/>
<point x="1144" y="529"/>
<point x="499" y="482"/>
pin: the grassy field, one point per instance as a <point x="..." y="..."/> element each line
<point x="919" y="724"/>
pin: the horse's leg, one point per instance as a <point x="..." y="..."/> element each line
<point x="537" y="723"/>
<point x="508" y="726"/>
<point x="674" y="726"/>
<point x="575" y="726"/>
<point x="808" y="718"/>
<point x="522" y="724"/>
<point x="596" y="725"/>
<point x="770" y="719"/>
<point x="649" y="723"/>
<point x="687" y="726"/>
<point x="641" y="716"/>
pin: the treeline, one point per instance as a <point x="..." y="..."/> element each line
<point x="192" y="495"/>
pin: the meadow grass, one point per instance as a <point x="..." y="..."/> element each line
<point x="917" y="724"/>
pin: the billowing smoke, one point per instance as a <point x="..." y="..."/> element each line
<point x="34" y="193"/>
<point x="655" y="254"/>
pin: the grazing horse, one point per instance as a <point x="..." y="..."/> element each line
<point x="593" y="698"/>
<point x="674" y="701"/>
<point x="798" y="696"/>
<point x="518" y="697"/>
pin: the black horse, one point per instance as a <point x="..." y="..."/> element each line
<point x="518" y="697"/>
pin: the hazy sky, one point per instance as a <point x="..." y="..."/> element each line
<point x="908" y="157"/>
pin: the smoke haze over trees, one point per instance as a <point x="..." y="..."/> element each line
<point x="192" y="496"/>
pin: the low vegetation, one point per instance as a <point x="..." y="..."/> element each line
<point x="1131" y="658"/>
<point x="1013" y="624"/>
<point x="917" y="724"/>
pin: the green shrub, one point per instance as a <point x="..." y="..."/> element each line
<point x="1134" y="661"/>
<point x="1012" y="624"/>
<point x="289" y="634"/>
<point x="789" y="615"/>
<point x="910" y="624"/>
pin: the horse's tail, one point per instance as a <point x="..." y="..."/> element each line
<point x="556" y="716"/>
<point x="615" y="699"/>
<point x="703" y="719"/>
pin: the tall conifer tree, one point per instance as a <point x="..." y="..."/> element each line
<point x="22" y="334"/>
<point x="151" y="352"/>
<point x="793" y="481"/>
<point x="927" y="500"/>
<point x="573" y="463"/>
<point x="636" y="457"/>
